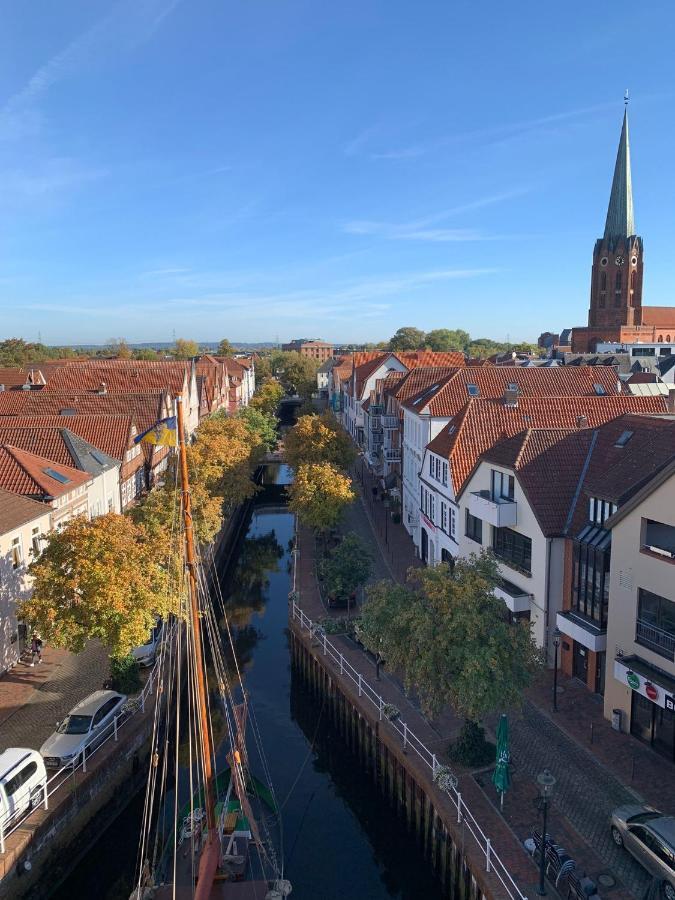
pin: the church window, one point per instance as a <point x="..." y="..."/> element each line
<point x="667" y="338"/>
<point x="603" y="281"/>
<point x="660" y="339"/>
<point x="632" y="281"/>
<point x="617" y="282"/>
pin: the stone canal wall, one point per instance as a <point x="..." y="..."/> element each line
<point x="452" y="842"/>
<point x="52" y="841"/>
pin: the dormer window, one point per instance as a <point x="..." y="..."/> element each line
<point x="600" y="510"/>
<point x="472" y="390"/>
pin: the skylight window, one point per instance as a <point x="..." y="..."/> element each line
<point x="599" y="390"/>
<point x="426" y="394"/>
<point x="472" y="389"/>
<point x="57" y="476"/>
<point x="623" y="438"/>
<point x="68" y="412"/>
<point x="511" y="386"/>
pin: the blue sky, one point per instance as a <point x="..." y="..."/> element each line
<point x="254" y="168"/>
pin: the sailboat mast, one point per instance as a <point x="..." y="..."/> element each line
<point x="191" y="560"/>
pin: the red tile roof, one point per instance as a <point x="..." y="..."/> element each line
<point x="482" y="423"/>
<point x="145" y="409"/>
<point x="26" y="473"/>
<point x="431" y="358"/>
<point x="111" y="434"/>
<point x="549" y="464"/>
<point x="420" y="379"/>
<point x="121" y="376"/>
<point x="16" y="511"/>
<point x="493" y="381"/>
<point x="659" y="317"/>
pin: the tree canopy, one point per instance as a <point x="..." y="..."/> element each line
<point x="262" y="426"/>
<point x="119" y="348"/>
<point x="319" y="495"/>
<point x="184" y="349"/>
<point x="407" y="338"/>
<point x="268" y="396"/>
<point x="451" y="638"/>
<point x="347" y="568"/>
<point x="101" y="579"/>
<point x="225" y="348"/>
<point x="296" y="373"/>
<point x="318" y="439"/>
<point x="443" y="340"/>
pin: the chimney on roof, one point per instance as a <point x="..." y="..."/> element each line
<point x="511" y="397"/>
<point x="102" y="388"/>
<point x="582" y="421"/>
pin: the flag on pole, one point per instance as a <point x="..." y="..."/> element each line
<point x="501" y="777"/>
<point x="163" y="434"/>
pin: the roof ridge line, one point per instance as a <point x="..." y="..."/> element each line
<point x="582" y="477"/>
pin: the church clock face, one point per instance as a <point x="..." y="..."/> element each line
<point x="619" y="260"/>
<point x="633" y="261"/>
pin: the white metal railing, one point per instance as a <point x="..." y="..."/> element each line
<point x="411" y="742"/>
<point x="65" y="773"/>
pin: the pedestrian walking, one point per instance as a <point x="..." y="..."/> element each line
<point x="36" y="649"/>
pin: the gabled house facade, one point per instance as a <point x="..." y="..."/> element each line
<point x="23" y="524"/>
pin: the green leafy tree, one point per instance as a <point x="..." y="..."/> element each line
<point x="407" y="338"/>
<point x="319" y="495"/>
<point x="183" y="349"/>
<point x="101" y="579"/>
<point x="268" y="396"/>
<point x="261" y="425"/>
<point x="147" y="353"/>
<point x="263" y="367"/>
<point x="347" y="568"/>
<point x="225" y="348"/>
<point x="296" y="373"/>
<point x="443" y="340"/>
<point x="450" y="637"/>
<point x="318" y="439"/>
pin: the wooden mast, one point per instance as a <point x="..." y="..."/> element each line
<point x="208" y="862"/>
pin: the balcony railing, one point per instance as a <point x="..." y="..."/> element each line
<point x="656" y="639"/>
<point x="392" y="455"/>
<point x="499" y="512"/>
<point x="390" y="421"/>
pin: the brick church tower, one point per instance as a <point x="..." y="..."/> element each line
<point x="616" y="278"/>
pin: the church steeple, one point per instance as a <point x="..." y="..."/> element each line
<point x="620" y="222"/>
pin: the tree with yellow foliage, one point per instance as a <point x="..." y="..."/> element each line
<point x="268" y="396"/>
<point x="318" y="439"/>
<point x="319" y="495"/>
<point x="102" y="579"/>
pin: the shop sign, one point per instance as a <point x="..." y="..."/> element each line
<point x="430" y="525"/>
<point x="670" y="702"/>
<point x="633" y="680"/>
<point x="651" y="691"/>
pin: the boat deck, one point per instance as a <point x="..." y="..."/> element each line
<point x="225" y="890"/>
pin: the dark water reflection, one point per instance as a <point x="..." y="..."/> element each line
<point x="340" y="838"/>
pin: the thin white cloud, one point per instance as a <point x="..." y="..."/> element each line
<point x="421" y="229"/>
<point x="488" y="135"/>
<point x="353" y="147"/>
<point x="130" y="23"/>
<point x="51" y="177"/>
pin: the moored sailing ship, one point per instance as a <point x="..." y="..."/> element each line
<point x="222" y="842"/>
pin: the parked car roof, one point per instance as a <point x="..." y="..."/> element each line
<point x="13" y="756"/>
<point x="90" y="704"/>
<point x="665" y="828"/>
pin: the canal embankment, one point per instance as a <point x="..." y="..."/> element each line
<point x="473" y="853"/>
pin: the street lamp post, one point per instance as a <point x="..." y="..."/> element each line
<point x="546" y="783"/>
<point x="386" y="505"/>
<point x="556" y="644"/>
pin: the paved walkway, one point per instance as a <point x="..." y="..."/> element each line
<point x="32" y="700"/>
<point x="597" y="769"/>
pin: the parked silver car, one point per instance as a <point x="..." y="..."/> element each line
<point x="85" y="727"/>
<point x="649" y="836"/>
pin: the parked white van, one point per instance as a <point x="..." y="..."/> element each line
<point x="22" y="780"/>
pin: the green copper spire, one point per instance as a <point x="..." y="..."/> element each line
<point x="620" y="212"/>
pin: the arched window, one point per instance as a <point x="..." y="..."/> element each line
<point x="660" y="339"/>
<point x="617" y="282"/>
<point x="603" y="281"/>
<point x="633" y="280"/>
<point x="667" y="339"/>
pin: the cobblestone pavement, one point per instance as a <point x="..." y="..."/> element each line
<point x="589" y="787"/>
<point x="585" y="792"/>
<point x="72" y="677"/>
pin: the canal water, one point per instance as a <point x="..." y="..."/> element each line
<point x="340" y="838"/>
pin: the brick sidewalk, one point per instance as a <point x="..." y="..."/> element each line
<point x="32" y="700"/>
<point x="593" y="778"/>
